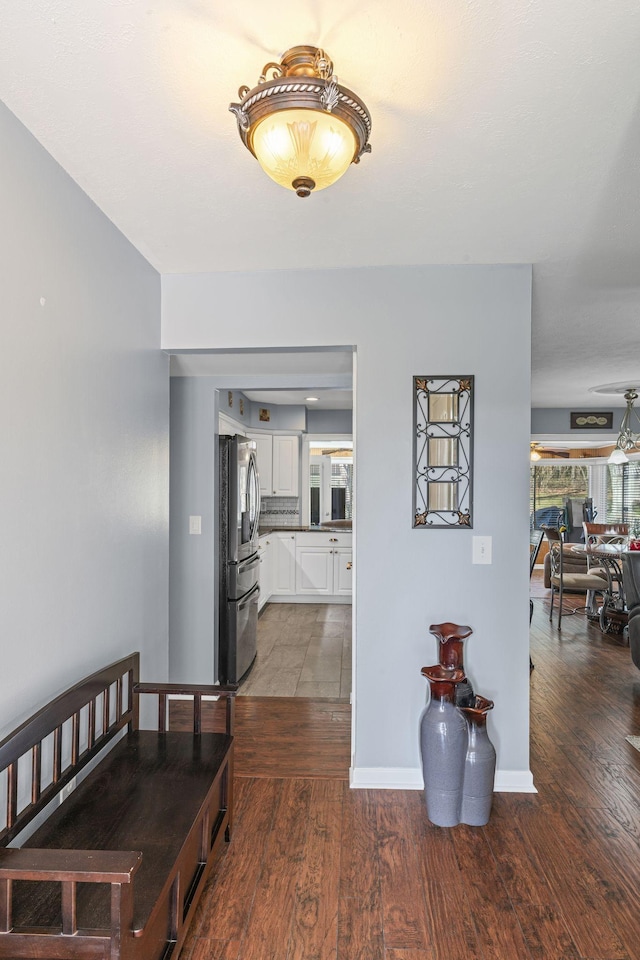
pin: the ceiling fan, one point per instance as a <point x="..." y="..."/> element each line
<point x="537" y="449"/>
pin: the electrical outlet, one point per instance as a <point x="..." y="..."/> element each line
<point x="68" y="789"/>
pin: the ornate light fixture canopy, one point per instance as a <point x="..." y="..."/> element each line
<point x="302" y="126"/>
<point x="628" y="440"/>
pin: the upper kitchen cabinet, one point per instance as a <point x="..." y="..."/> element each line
<point x="278" y="464"/>
<point x="285" y="466"/>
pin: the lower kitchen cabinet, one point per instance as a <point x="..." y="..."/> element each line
<point x="342" y="571"/>
<point x="283" y="568"/>
<point x="305" y="564"/>
<point x="314" y="570"/>
<point x="266" y="552"/>
<point x="323" y="570"/>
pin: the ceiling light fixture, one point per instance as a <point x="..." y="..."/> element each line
<point x="535" y="455"/>
<point x="302" y="126"/>
<point x="628" y="440"/>
<point x="311" y="399"/>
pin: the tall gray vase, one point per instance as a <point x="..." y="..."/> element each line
<point x="479" y="767"/>
<point x="443" y="745"/>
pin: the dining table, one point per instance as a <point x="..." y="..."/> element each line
<point x="608" y="553"/>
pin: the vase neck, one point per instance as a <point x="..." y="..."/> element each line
<point x="452" y="653"/>
<point x="476" y="712"/>
<point x="442" y="682"/>
<point x="443" y="690"/>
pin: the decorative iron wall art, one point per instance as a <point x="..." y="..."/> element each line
<point x="443" y="451"/>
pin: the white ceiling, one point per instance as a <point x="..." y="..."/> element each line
<point x="504" y="131"/>
<point x="324" y="373"/>
<point x="325" y="399"/>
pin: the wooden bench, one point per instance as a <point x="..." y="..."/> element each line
<point x="114" y="871"/>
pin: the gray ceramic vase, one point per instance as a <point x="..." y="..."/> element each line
<point x="443" y="745"/>
<point x="479" y="767"/>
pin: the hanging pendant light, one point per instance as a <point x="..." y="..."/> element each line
<point x="628" y="440"/>
<point x="302" y="126"/>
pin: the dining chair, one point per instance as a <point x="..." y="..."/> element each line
<point x="631" y="577"/>
<point x="561" y="581"/>
<point x="535" y="539"/>
<point x="595" y="533"/>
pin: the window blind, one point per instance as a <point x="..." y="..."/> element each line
<point x="623" y="493"/>
<point x="342" y="478"/>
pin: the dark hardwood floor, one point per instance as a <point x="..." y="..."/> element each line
<point x="316" y="871"/>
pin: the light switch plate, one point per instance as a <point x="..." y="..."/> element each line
<point x="195" y="525"/>
<point x="481" y="549"/>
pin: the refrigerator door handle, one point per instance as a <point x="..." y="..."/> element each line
<point x="247" y="564"/>
<point x="254" y="480"/>
<point x="253" y="595"/>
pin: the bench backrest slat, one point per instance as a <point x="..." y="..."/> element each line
<point x="49" y="722"/>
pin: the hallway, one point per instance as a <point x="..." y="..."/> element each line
<point x="316" y="870"/>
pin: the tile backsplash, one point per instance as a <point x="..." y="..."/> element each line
<point x="280" y="511"/>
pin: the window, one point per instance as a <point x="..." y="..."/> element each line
<point x="330" y="487"/>
<point x="623" y="493"/>
<point x="550" y="485"/>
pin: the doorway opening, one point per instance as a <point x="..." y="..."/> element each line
<point x="305" y="625"/>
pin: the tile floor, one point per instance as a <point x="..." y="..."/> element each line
<point x="304" y="650"/>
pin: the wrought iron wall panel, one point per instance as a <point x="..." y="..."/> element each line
<point x="443" y="451"/>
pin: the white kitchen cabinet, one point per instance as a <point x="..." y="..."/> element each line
<point x="323" y="564"/>
<point x="314" y="570"/>
<point x="286" y="466"/>
<point x="283" y="568"/>
<point x="342" y="571"/>
<point x="278" y="464"/>
<point x="266" y="552"/>
<point x="264" y="453"/>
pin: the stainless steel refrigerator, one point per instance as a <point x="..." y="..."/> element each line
<point x="239" y="563"/>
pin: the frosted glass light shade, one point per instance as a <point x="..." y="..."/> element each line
<point x="291" y="144"/>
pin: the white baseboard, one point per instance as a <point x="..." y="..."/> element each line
<point x="410" y="778"/>
<point x="386" y="778"/>
<point x="308" y="598"/>
<point x="514" y="781"/>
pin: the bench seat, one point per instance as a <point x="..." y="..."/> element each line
<point x="144" y="796"/>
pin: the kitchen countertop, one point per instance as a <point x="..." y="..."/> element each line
<point x="263" y="531"/>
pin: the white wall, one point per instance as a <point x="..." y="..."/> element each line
<point x="405" y="321"/>
<point x="84" y="428"/>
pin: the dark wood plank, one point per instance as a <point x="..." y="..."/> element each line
<point x="314" y="931"/>
<point x="214" y="950"/>
<point x="545" y="932"/>
<point x="409" y="955"/>
<point x="360" y="928"/>
<point x="497" y="928"/>
<point x="450" y="921"/>
<point x="228" y="898"/>
<point x="360" y="865"/>
<point x="403" y="905"/>
<point x="269" y="928"/>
